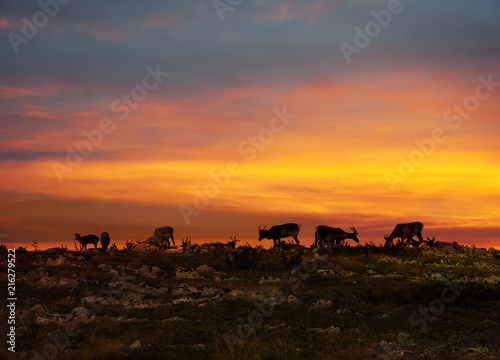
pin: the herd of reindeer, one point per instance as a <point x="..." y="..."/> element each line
<point x="325" y="236"/>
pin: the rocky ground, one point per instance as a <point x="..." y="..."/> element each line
<point x="351" y="303"/>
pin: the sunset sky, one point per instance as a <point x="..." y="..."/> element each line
<point x="342" y="113"/>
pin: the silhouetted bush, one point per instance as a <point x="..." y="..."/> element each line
<point x="293" y="258"/>
<point x="244" y="258"/>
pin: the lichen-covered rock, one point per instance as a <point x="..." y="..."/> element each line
<point x="205" y="268"/>
<point x="148" y="271"/>
<point x="61" y="260"/>
<point x="186" y="273"/>
<point x="81" y="313"/>
<point x="183" y="300"/>
<point x="211" y="290"/>
<point x="100" y="300"/>
<point x="37" y="274"/>
<point x="322" y="304"/>
<point x="68" y="282"/>
<point x="39" y="310"/>
<point x="184" y="289"/>
<point x="136" y="345"/>
<point x="436" y="276"/>
<point x="269" y="280"/>
<point x="330" y="272"/>
<point x="343" y="311"/>
<point x="291" y="299"/>
<point x="330" y="330"/>
<point x="493" y="279"/>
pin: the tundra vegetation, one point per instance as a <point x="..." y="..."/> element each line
<point x="354" y="304"/>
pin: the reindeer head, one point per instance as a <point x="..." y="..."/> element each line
<point x="354" y="234"/>
<point x="431" y="241"/>
<point x="261" y="233"/>
<point x="388" y="241"/>
<point x="233" y="241"/>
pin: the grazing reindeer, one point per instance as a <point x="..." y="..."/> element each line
<point x="412" y="242"/>
<point x="405" y="232"/>
<point x="105" y="240"/>
<point x="441" y="245"/>
<point x="164" y="234"/>
<point x="331" y="235"/>
<point x="188" y="246"/>
<point x="277" y="232"/>
<point x="87" y="239"/>
<point x="428" y="244"/>
<point x="231" y="245"/>
<point x="218" y="246"/>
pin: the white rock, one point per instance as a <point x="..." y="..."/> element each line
<point x="136" y="345"/>
<point x="322" y="304"/>
<point x="189" y="273"/>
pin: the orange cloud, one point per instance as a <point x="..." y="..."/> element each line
<point x="327" y="165"/>
<point x="6" y="23"/>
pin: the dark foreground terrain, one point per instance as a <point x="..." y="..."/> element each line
<point x="352" y="303"/>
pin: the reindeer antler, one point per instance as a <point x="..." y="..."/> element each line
<point x="354" y="230"/>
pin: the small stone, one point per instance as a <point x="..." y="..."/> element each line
<point x="291" y="299"/>
<point x="82" y="314"/>
<point x="136" y="345"/>
<point x="184" y="289"/>
<point x="322" y="304"/>
<point x="205" y="268"/>
<point x="173" y="318"/>
<point x="269" y="280"/>
<point x="186" y="273"/>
